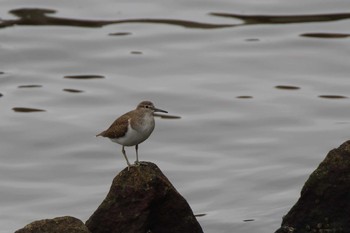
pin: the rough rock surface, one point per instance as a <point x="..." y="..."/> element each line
<point x="324" y="204"/>
<point x="64" y="224"/>
<point x="140" y="200"/>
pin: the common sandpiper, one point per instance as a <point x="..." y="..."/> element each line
<point x="133" y="128"/>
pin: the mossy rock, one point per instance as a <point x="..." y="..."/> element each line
<point x="324" y="204"/>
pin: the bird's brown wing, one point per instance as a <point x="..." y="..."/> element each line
<point x="117" y="129"/>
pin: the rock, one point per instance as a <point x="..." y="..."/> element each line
<point x="140" y="200"/>
<point x="324" y="204"/>
<point x="64" y="224"/>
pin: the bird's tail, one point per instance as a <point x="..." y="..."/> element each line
<point x="100" y="134"/>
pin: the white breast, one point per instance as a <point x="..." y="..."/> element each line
<point x="138" y="135"/>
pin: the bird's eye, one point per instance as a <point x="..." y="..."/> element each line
<point x="147" y="106"/>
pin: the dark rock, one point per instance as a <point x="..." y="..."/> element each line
<point x="65" y="224"/>
<point x="324" y="204"/>
<point x="140" y="200"/>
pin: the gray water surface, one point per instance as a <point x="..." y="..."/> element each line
<point x="262" y="88"/>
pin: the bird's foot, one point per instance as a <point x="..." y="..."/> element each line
<point x="138" y="163"/>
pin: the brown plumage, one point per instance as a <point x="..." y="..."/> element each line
<point x="118" y="128"/>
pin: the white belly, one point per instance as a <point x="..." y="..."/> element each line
<point x="134" y="137"/>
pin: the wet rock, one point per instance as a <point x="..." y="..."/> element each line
<point x="140" y="200"/>
<point x="64" y="224"/>
<point x="324" y="204"/>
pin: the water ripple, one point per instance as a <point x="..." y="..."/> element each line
<point x="287" y="87"/>
<point x="82" y="77"/>
<point x="72" y="90"/>
<point x="40" y="17"/>
<point x="324" y="35"/>
<point x="333" y="96"/>
<point x="25" y="109"/>
<point x="284" y="19"/>
<point x="30" y="86"/>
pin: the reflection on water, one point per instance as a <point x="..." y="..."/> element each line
<point x="136" y="52"/>
<point x="333" y="96"/>
<point x="30" y="86"/>
<point x="252" y="40"/>
<point x="84" y="77"/>
<point x="284" y="19"/>
<point x="40" y="17"/>
<point x="287" y="87"/>
<point x="166" y="116"/>
<point x="72" y="90"/>
<point x="326" y="35"/>
<point x="24" y="109"/>
<point x="200" y="215"/>
<point x="120" y="34"/>
<point x="244" y="97"/>
<point x="248" y="220"/>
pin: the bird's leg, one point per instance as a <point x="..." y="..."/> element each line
<point x="137" y="162"/>
<point x="126" y="158"/>
<point x="137" y="154"/>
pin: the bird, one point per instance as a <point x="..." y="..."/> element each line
<point x="133" y="128"/>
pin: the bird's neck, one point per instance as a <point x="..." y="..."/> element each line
<point x="143" y="120"/>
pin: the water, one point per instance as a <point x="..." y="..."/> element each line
<point x="261" y="86"/>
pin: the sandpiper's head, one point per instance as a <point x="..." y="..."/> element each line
<point x="148" y="105"/>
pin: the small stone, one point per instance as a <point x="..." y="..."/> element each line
<point x="64" y="224"/>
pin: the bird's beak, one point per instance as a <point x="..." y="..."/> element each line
<point x="159" y="110"/>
